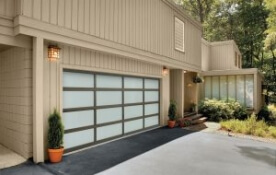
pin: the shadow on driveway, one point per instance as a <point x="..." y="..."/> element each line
<point x="264" y="154"/>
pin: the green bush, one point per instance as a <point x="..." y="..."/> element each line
<point x="56" y="131"/>
<point x="268" y="113"/>
<point x="250" y="126"/>
<point x="217" y="110"/>
<point x="172" y="111"/>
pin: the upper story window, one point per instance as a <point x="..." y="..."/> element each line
<point x="179" y="35"/>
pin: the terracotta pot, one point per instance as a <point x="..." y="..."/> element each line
<point x="55" y="155"/>
<point x="171" y="123"/>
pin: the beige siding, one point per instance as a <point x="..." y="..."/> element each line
<point x="205" y="55"/>
<point x="223" y="57"/>
<point x="177" y="89"/>
<point x="16" y="100"/>
<point x="6" y="26"/>
<point x="7" y="8"/>
<point x="142" y="24"/>
<point x="190" y="91"/>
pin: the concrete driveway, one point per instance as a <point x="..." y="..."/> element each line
<point x="164" y="151"/>
<point x="203" y="153"/>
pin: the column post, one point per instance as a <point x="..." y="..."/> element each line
<point x="38" y="136"/>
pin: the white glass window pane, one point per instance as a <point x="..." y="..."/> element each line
<point x="249" y="90"/>
<point x="109" y="131"/>
<point x="208" y="89"/>
<point x="108" y="81"/>
<point x="133" y="111"/>
<point x="109" y="115"/>
<point x="232" y="88"/>
<point x="215" y="87"/>
<point x="240" y="89"/>
<point x="223" y="88"/>
<point x="151" y="84"/>
<point x="151" y="96"/>
<point x="151" y="121"/>
<point x="78" y="138"/>
<point x="71" y="79"/>
<point x="151" y="109"/>
<point x="133" y="125"/>
<point x="78" y="119"/>
<point x="131" y="82"/>
<point x="109" y="98"/>
<point x="76" y="99"/>
<point x="133" y="97"/>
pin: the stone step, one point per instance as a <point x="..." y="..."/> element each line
<point x="188" y="114"/>
<point x="199" y="121"/>
<point x="194" y="117"/>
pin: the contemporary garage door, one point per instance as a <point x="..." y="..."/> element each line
<point x="100" y="107"/>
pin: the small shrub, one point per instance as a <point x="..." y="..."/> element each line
<point x="272" y="132"/>
<point x="250" y="126"/>
<point x="217" y="110"/>
<point x="264" y="114"/>
<point x="172" y="111"/>
<point x="56" y="131"/>
<point x="260" y="132"/>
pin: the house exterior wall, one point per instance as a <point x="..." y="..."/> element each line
<point x="137" y="26"/>
<point x="89" y="60"/>
<point x="16" y="100"/>
<point x="219" y="55"/>
<point x="205" y="55"/>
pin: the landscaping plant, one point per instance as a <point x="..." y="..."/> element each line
<point x="250" y="126"/>
<point x="172" y="114"/>
<point x="217" y="110"/>
<point x="55" y="137"/>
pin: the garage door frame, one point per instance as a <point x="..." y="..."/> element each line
<point x="122" y="105"/>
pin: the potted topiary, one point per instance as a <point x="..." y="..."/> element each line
<point x="172" y="114"/>
<point x="55" y="137"/>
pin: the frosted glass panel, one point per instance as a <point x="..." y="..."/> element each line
<point x="133" y="125"/>
<point x="133" y="82"/>
<point x="249" y="88"/>
<point x="231" y="88"/>
<point x="133" y="111"/>
<point x="71" y="79"/>
<point x="240" y="89"/>
<point x="223" y="88"/>
<point x="109" y="98"/>
<point x="108" y="81"/>
<point x="215" y="87"/>
<point x="76" y="99"/>
<point x="151" y="109"/>
<point x="151" y="121"/>
<point x="133" y="97"/>
<point x="151" y="96"/>
<point x="78" y="138"/>
<point x="78" y="119"/>
<point x="207" y="85"/>
<point x="109" y="115"/>
<point x="151" y="84"/>
<point x="109" y="131"/>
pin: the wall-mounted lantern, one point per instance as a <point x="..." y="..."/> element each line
<point x="165" y="71"/>
<point x="53" y="53"/>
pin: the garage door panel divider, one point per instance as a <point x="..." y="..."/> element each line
<point x="114" y="124"/>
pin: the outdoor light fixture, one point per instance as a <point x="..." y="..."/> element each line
<point x="165" y="71"/>
<point x="53" y="53"/>
<point x="184" y="72"/>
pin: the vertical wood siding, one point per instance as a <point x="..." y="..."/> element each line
<point x="143" y="24"/>
<point x="222" y="57"/>
<point x="7" y="8"/>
